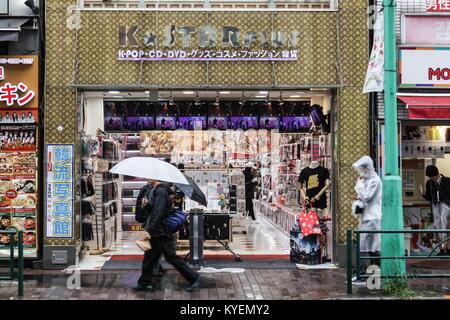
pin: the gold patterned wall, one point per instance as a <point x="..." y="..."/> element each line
<point x="333" y="50"/>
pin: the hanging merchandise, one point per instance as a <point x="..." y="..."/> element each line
<point x="87" y="186"/>
<point x="87" y="232"/>
<point x="88" y="206"/>
<point x="309" y="222"/>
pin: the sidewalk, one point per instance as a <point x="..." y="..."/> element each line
<point x="253" y="284"/>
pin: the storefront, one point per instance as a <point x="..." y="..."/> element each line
<point x="279" y="88"/>
<point x="424" y="116"/>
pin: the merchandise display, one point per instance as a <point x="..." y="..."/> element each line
<point x="422" y="144"/>
<point x="279" y="148"/>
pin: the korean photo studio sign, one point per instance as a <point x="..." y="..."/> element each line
<point x="60" y="191"/>
<point x="206" y="43"/>
<point x="19" y="82"/>
<point x="424" y="67"/>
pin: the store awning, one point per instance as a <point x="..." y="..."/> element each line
<point x="10" y="28"/>
<point x="427" y="107"/>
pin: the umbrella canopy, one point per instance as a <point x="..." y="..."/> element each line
<point x="149" y="168"/>
<point x="193" y="191"/>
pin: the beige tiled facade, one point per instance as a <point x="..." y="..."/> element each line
<point x="333" y="51"/>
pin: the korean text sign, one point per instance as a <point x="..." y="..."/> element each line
<point x="60" y="191"/>
<point x="19" y="81"/>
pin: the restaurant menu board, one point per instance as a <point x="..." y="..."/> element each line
<point x="60" y="191"/>
<point x="18" y="186"/>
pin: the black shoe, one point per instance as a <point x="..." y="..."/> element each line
<point x="194" y="285"/>
<point x="147" y="287"/>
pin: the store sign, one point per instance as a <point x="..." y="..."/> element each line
<point x="19" y="82"/>
<point x="426" y="30"/>
<point x="60" y="191"/>
<point x="438" y="5"/>
<point x="424" y="67"/>
<point x="140" y="46"/>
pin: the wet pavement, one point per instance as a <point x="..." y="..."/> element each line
<point x="253" y="284"/>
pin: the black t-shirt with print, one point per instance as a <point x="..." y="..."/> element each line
<point x="315" y="180"/>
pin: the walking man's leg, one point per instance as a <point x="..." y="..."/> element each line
<point x="151" y="258"/>
<point x="169" y="252"/>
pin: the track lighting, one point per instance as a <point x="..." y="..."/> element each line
<point x="197" y="99"/>
<point x="217" y="99"/>
<point x="242" y="102"/>
<point x="171" y="99"/>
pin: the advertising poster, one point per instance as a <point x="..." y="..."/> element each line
<point x="60" y="191"/>
<point x="19" y="88"/>
<point x="17" y="116"/>
<point x="17" y="138"/>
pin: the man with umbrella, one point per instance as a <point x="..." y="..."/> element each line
<point x="160" y="207"/>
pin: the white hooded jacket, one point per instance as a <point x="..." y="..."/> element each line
<point x="368" y="188"/>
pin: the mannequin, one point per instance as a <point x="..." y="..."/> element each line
<point x="314" y="182"/>
<point x="250" y="183"/>
<point x="303" y="186"/>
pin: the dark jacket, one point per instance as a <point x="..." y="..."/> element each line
<point x="249" y="185"/>
<point x="435" y="192"/>
<point x="161" y="207"/>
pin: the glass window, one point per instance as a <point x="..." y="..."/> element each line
<point x="4" y="7"/>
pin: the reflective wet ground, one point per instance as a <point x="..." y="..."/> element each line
<point x="253" y="284"/>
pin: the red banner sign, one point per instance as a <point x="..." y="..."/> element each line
<point x="438" y="5"/>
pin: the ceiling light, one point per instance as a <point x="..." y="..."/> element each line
<point x="113" y="92"/>
<point x="147" y="92"/>
<point x="118" y="97"/>
<point x="295" y="96"/>
<point x="188" y="92"/>
<point x="225" y="92"/>
<point x="260" y="97"/>
<point x="263" y="92"/>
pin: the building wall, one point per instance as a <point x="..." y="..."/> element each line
<point x="333" y="50"/>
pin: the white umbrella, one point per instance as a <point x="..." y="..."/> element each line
<point x="149" y="168"/>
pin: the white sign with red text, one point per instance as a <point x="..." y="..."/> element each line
<point x="424" y="67"/>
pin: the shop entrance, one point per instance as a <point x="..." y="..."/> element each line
<point x="423" y="143"/>
<point x="249" y="151"/>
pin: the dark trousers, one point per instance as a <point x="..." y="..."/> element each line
<point x="249" y="206"/>
<point x="163" y="246"/>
